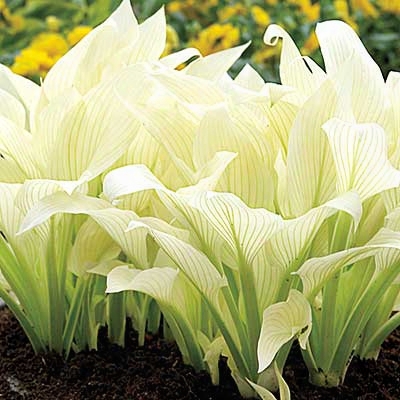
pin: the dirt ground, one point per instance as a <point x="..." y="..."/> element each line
<point x="156" y="372"/>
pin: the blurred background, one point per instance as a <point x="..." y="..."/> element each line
<point x="34" y="34"/>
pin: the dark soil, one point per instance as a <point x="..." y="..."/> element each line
<point x="156" y="372"/>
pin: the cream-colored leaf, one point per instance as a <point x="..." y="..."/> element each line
<point x="196" y="266"/>
<point x="133" y="242"/>
<point x="82" y="66"/>
<point x="121" y="278"/>
<point x="17" y="159"/>
<point x="294" y="70"/>
<point x="237" y="132"/>
<point x="213" y="66"/>
<point x="310" y="166"/>
<point x="282" y="322"/>
<point x="12" y="109"/>
<point x="93" y="137"/>
<point x="360" y="155"/>
<point x="315" y="272"/>
<point x="92" y="246"/>
<point x="338" y="42"/>
<point x="250" y="79"/>
<point x="59" y="202"/>
<point x="127" y="180"/>
<point x="152" y="38"/>
<point x="175" y="59"/>
<point x="244" y="229"/>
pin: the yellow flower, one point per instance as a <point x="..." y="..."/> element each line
<point x="53" y="44"/>
<point x="53" y="23"/>
<point x="342" y="10"/>
<point x="77" y="34"/>
<point x="31" y="62"/>
<point x="172" y="41"/>
<point x="260" y="16"/>
<point x="3" y="5"/>
<point x="216" y="37"/>
<point x="310" y="45"/>
<point x="230" y="11"/>
<point x="174" y="6"/>
<point x="390" y="6"/>
<point x="311" y="11"/>
<point x="271" y="2"/>
<point x="17" y="22"/>
<point x="365" y="7"/>
<point x="263" y="56"/>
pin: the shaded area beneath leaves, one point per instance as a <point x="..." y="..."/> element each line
<point x="156" y="372"/>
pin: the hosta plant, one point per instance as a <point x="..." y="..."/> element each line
<point x="59" y="138"/>
<point x="251" y="214"/>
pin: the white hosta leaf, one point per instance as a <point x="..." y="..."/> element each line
<point x="207" y="177"/>
<point x="152" y="38"/>
<point x="17" y="159"/>
<point x="391" y="199"/>
<point x="315" y="272"/>
<point x="12" y="109"/>
<point x="297" y="234"/>
<point x="83" y="65"/>
<point x="358" y="78"/>
<point x="196" y="266"/>
<point x="363" y="91"/>
<point x="105" y="267"/>
<point x="238" y="133"/>
<point x="190" y="89"/>
<point x="133" y="242"/>
<point x="33" y="191"/>
<point x="21" y="88"/>
<point x="360" y="155"/>
<point x="212" y="354"/>
<point x="121" y="278"/>
<point x="336" y="48"/>
<point x="129" y="179"/>
<point x="236" y="94"/>
<point x="294" y="70"/>
<point x="156" y="282"/>
<point x="10" y="215"/>
<point x="93" y="137"/>
<point x="175" y="59"/>
<point x="213" y="66"/>
<point x="10" y="220"/>
<point x="282" y="322"/>
<point x="393" y="89"/>
<point x="48" y="117"/>
<point x="162" y="226"/>
<point x="59" y="202"/>
<point x="165" y="285"/>
<point x="285" y="251"/>
<point x="92" y="246"/>
<point x="243" y="228"/>
<point x="172" y="126"/>
<point x="250" y="79"/>
<point x="310" y="166"/>
<point x="281" y="117"/>
<point x="206" y="237"/>
<point x="265" y="394"/>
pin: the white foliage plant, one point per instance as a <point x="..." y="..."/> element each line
<point x="248" y="214"/>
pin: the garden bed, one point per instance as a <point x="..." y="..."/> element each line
<point x="157" y="372"/>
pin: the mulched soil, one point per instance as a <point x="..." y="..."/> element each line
<point x="156" y="372"/>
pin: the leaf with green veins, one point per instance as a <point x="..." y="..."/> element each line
<point x="282" y="322"/>
<point x="315" y="272"/>
<point x="360" y="155"/>
<point x="245" y="229"/>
